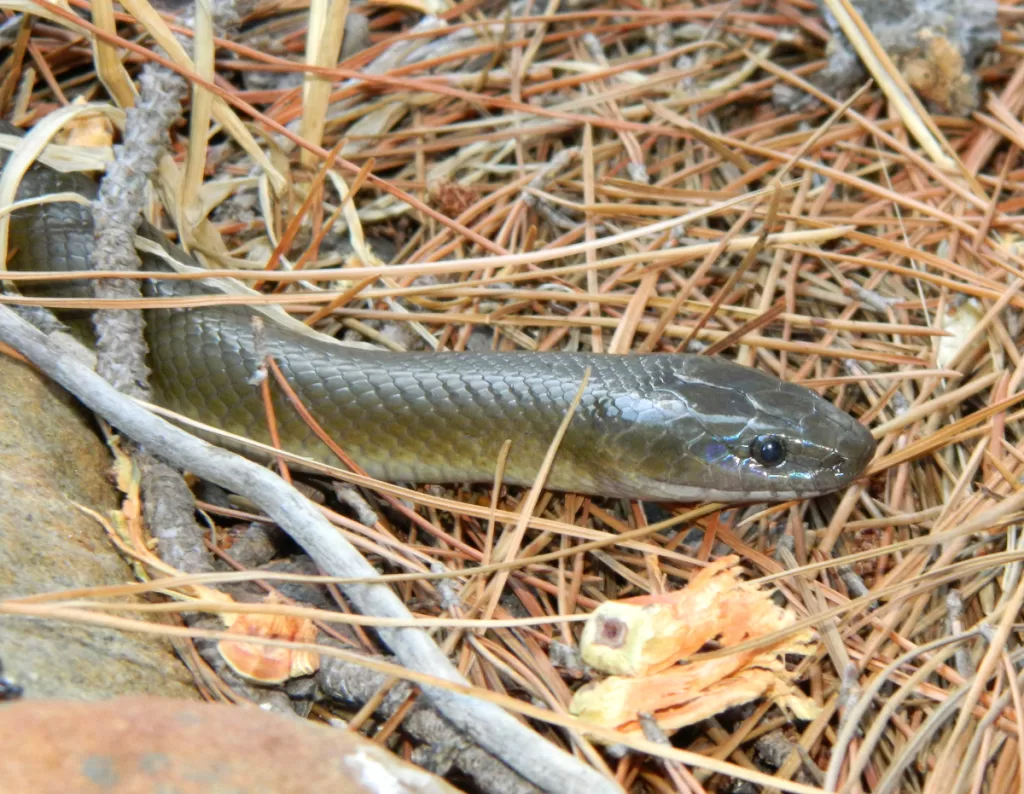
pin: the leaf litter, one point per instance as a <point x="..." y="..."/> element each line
<point x="578" y="177"/>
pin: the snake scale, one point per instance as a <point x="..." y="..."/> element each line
<point x="656" y="426"/>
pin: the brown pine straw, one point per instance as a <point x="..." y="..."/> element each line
<point x="566" y="181"/>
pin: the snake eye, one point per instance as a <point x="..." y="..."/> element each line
<point x="768" y="450"/>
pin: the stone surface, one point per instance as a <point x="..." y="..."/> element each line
<point x="50" y="458"/>
<point x="936" y="45"/>
<point x="157" y="745"/>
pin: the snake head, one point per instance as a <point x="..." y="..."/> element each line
<point x="712" y="430"/>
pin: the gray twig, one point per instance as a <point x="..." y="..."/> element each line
<point x="170" y="515"/>
<point x="120" y="345"/>
<point x="350" y="683"/>
<point x="120" y="342"/>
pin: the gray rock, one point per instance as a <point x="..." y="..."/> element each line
<point x="50" y="458"/>
<point x="936" y="45"/>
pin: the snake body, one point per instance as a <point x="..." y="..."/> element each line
<point x="657" y="426"/>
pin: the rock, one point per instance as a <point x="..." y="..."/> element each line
<point x="145" y="745"/>
<point x="50" y="458"/>
<point x="936" y="45"/>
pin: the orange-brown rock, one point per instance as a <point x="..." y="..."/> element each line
<point x="143" y="745"/>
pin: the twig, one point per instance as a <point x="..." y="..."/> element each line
<point x="351" y="683"/>
<point x="120" y="345"/>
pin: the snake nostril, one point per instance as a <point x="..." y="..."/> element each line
<point x="833" y="460"/>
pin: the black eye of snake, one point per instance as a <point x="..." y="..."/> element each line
<point x="768" y="450"/>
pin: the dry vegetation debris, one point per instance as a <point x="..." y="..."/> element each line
<point x="579" y="176"/>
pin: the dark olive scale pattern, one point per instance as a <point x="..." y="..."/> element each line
<point x="415" y="417"/>
<point x="668" y="427"/>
